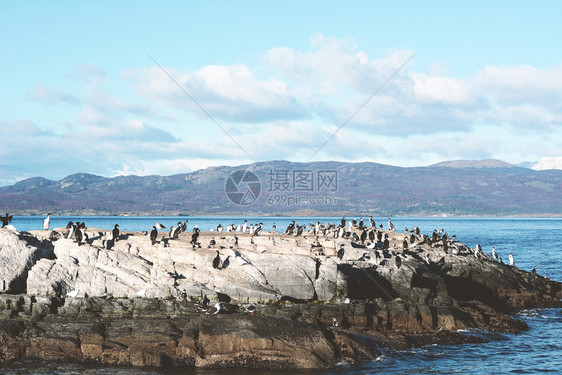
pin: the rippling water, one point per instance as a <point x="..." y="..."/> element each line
<point x="533" y="241"/>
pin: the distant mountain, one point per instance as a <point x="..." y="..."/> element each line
<point x="487" y="163"/>
<point x="545" y="163"/>
<point x="488" y="187"/>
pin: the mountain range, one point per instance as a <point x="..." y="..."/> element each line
<point x="455" y="188"/>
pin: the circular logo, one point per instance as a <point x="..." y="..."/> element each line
<point x="242" y="187"/>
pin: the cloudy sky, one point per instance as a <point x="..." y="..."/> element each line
<point x="86" y="87"/>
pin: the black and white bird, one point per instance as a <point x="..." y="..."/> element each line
<point x="251" y="309"/>
<point x="495" y="255"/>
<point x="372" y="222"/>
<point x="153" y="235"/>
<point x="159" y="226"/>
<point x="341" y="252"/>
<point x="6" y="220"/>
<point x="47" y="221"/>
<point x="398" y="261"/>
<point x="184" y="226"/>
<point x="290" y="228"/>
<point x="391" y="226"/>
<point x="175" y="232"/>
<point x="195" y="235"/>
<point x="215" y="309"/>
<point x="71" y="230"/>
<point x="78" y="235"/>
<point x="115" y="232"/>
<point x="534" y="271"/>
<point x="217" y="261"/>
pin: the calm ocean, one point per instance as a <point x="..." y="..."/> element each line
<point x="533" y="241"/>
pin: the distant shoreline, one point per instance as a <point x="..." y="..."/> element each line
<point x="290" y="215"/>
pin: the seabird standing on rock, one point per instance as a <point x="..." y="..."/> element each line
<point x="343" y="221"/>
<point x="372" y="222"/>
<point x="290" y="228"/>
<point x="176" y="232"/>
<point x="244" y="226"/>
<point x="71" y="230"/>
<point x="494" y="254"/>
<point x="183" y="296"/>
<point x="386" y="243"/>
<point x="78" y="236"/>
<point x="6" y="219"/>
<point x="115" y="232"/>
<point x="341" y="252"/>
<point x="47" y="221"/>
<point x="215" y="309"/>
<point x="511" y="260"/>
<point x="534" y="271"/>
<point x="153" y="234"/>
<point x="217" y="261"/>
<point x="398" y="261"/>
<point x="391" y="226"/>
<point x="195" y="235"/>
<point x="251" y="309"/>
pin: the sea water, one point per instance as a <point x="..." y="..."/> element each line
<point x="532" y="241"/>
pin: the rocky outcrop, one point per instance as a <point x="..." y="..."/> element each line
<point x="202" y="341"/>
<point x="286" y="301"/>
<point x="18" y="253"/>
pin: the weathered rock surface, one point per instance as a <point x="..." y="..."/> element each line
<point x="202" y="341"/>
<point x="128" y="309"/>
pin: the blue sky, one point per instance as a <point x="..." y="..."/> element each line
<point x="80" y="93"/>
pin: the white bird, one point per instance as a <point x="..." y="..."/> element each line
<point x="71" y="232"/>
<point x="244" y="226"/>
<point x="494" y="254"/>
<point x="216" y="310"/>
<point x="47" y="221"/>
<point x="72" y="294"/>
<point x="511" y="260"/>
<point x="238" y="256"/>
<point x="251" y="309"/>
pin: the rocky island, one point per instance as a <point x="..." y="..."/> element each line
<point x="229" y="299"/>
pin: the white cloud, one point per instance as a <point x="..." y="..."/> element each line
<point x="439" y="89"/>
<point x="232" y="93"/>
<point x="51" y="96"/>
<point x="285" y="108"/>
